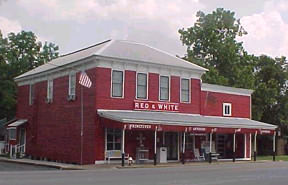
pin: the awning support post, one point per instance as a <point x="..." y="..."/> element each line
<point x="274" y="146"/>
<point x="210" y="151"/>
<point x="155" y="147"/>
<point x="183" y="148"/>
<point x="234" y="146"/>
<point x="255" y="146"/>
<point x="123" y="145"/>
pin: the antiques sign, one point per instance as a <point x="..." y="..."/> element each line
<point x="156" y="106"/>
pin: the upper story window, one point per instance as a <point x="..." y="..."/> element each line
<point x="227" y="109"/>
<point x="31" y="94"/>
<point x="72" y="84"/>
<point x="142" y="85"/>
<point x="164" y="88"/>
<point x="117" y="83"/>
<point x="185" y="90"/>
<point x="49" y="91"/>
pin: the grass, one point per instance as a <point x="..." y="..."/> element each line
<point x="270" y="157"/>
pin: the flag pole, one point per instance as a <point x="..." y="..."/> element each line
<point x="81" y="133"/>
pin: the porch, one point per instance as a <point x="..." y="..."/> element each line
<point x="180" y="137"/>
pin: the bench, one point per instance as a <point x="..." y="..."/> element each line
<point x="114" y="154"/>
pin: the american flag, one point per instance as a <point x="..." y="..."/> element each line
<point x="85" y="80"/>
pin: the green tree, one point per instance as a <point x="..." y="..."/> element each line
<point x="19" y="53"/>
<point x="212" y="43"/>
<point x="270" y="99"/>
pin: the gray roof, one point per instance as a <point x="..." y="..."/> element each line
<point x="225" y="89"/>
<point x="127" y="116"/>
<point x="17" y="123"/>
<point x="119" y="49"/>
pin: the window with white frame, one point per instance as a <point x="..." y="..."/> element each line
<point x="227" y="109"/>
<point x="142" y="85"/>
<point x="113" y="139"/>
<point x="164" y="88"/>
<point x="49" y="90"/>
<point x="117" y="83"/>
<point x="72" y="84"/>
<point x="12" y="133"/>
<point x="185" y="90"/>
<point x="31" y="94"/>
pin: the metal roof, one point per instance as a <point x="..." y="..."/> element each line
<point x="17" y="123"/>
<point x="181" y="119"/>
<point x="225" y="89"/>
<point x="120" y="49"/>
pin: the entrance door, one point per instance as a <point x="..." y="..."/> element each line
<point x="22" y="141"/>
<point x="171" y="141"/>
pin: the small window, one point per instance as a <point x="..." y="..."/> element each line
<point x="142" y="85"/>
<point x="113" y="138"/>
<point x="164" y="88"/>
<point x="49" y="90"/>
<point x="117" y="84"/>
<point x="185" y="90"/>
<point x="227" y="109"/>
<point x="12" y="133"/>
<point x="72" y="84"/>
<point x="31" y="94"/>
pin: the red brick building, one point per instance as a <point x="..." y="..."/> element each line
<point x="142" y="100"/>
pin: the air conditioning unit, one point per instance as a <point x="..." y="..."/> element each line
<point x="71" y="97"/>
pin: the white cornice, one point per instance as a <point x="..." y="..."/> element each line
<point x="108" y="62"/>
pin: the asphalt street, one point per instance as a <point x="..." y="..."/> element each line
<point x="268" y="173"/>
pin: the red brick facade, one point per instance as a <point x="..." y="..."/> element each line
<point x="53" y="130"/>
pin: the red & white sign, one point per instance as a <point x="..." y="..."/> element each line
<point x="156" y="106"/>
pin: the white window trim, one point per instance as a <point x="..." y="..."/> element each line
<point x="31" y="99"/>
<point x="189" y="88"/>
<point x="106" y="142"/>
<point x="223" y="109"/>
<point x="147" y="83"/>
<point x="169" y="89"/>
<point x="69" y="83"/>
<point x="123" y="84"/>
<point x="52" y="89"/>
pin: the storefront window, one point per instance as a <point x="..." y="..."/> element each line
<point x="189" y="142"/>
<point x="113" y="139"/>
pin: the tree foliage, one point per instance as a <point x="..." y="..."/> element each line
<point x="212" y="43"/>
<point x="19" y="53"/>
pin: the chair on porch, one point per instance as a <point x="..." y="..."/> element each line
<point x="197" y="155"/>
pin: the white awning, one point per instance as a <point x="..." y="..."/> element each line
<point x="17" y="123"/>
<point x="181" y="119"/>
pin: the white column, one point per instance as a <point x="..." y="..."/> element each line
<point x="211" y="142"/>
<point x="155" y="141"/>
<point x="123" y="141"/>
<point x="245" y="146"/>
<point x="274" y="141"/>
<point x="234" y="142"/>
<point x="250" y="141"/>
<point x="255" y="142"/>
<point x="183" y="148"/>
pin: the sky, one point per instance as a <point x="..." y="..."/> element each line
<point x="76" y="24"/>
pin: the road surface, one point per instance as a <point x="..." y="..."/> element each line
<point x="268" y="173"/>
